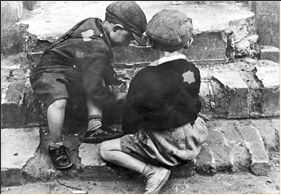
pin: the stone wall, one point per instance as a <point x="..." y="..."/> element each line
<point x="13" y="35"/>
<point x="268" y="22"/>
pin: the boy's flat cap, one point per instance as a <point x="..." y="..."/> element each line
<point x="169" y="29"/>
<point x="129" y="14"/>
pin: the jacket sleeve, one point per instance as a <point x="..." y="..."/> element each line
<point x="93" y="59"/>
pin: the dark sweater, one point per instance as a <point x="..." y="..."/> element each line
<point x="163" y="97"/>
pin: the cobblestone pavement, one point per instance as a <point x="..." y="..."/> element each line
<point x="221" y="183"/>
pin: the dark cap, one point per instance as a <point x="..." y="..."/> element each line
<point x="129" y="14"/>
<point x="169" y="30"/>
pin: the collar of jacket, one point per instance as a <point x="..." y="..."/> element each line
<point x="170" y="57"/>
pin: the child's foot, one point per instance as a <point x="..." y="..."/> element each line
<point x="60" y="156"/>
<point x="99" y="135"/>
<point x="156" y="179"/>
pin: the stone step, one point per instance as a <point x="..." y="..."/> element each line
<point x="216" y="27"/>
<point x="19" y="107"/>
<point x="231" y="147"/>
<point x="242" y="89"/>
<point x="270" y="53"/>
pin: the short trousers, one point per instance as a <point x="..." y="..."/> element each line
<point x="50" y="87"/>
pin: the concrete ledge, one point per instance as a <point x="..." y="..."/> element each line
<point x="210" y="38"/>
<point x="254" y="143"/>
<point x="270" y="53"/>
<point x="13" y="38"/>
<point x="238" y="154"/>
<point x="230" y="93"/>
<point x="220" y="150"/>
<point x="268" y="74"/>
<point x="206" y="99"/>
<point x="270" y="133"/>
<point x="18" y="146"/>
<point x="247" y="89"/>
<point x="233" y="146"/>
<point x="11" y="12"/>
<point x="204" y="162"/>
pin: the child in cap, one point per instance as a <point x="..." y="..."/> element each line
<point x="160" y="115"/>
<point x="80" y="62"/>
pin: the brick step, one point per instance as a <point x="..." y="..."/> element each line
<point x="242" y="89"/>
<point x="232" y="146"/>
<point x="221" y="30"/>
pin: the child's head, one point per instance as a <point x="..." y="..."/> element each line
<point x="128" y="22"/>
<point x="169" y="30"/>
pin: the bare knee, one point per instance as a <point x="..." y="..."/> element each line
<point x="104" y="150"/>
<point x="59" y="104"/>
<point x="109" y="148"/>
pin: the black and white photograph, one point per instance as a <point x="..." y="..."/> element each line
<point x="140" y="97"/>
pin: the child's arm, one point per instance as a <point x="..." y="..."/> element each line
<point x="93" y="63"/>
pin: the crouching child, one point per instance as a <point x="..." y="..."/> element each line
<point x="160" y="116"/>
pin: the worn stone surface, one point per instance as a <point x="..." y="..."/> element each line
<point x="247" y="47"/>
<point x="270" y="53"/>
<point x="232" y="146"/>
<point x="205" y="163"/>
<point x="270" y="132"/>
<point x="219" y="21"/>
<point x="268" y="22"/>
<point x="92" y="164"/>
<point x="254" y="143"/>
<point x="19" y="106"/>
<point x="31" y="5"/>
<point x="206" y="99"/>
<point x="15" y="154"/>
<point x="268" y="74"/>
<point x="207" y="45"/>
<point x="18" y="147"/>
<point x="230" y="97"/>
<point x="18" y="103"/>
<point x="10" y="177"/>
<point x="247" y="69"/>
<point x="209" y="37"/>
<point x="90" y="156"/>
<point x="11" y="11"/>
<point x="238" y="154"/>
<point x="220" y="150"/>
<point x="13" y="38"/>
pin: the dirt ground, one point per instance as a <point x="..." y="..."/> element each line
<point x="221" y="183"/>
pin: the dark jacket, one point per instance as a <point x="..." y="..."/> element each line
<point x="83" y="55"/>
<point x="163" y="97"/>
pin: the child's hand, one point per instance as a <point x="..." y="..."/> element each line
<point x="120" y="92"/>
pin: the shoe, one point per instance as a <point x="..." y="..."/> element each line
<point x="156" y="180"/>
<point x="60" y="157"/>
<point x="99" y="135"/>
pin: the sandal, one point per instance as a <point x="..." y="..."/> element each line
<point x="99" y="135"/>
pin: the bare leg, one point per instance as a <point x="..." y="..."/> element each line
<point x="57" y="151"/>
<point x="55" y="117"/>
<point x="156" y="176"/>
<point x="94" y="110"/>
<point x="111" y="152"/>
